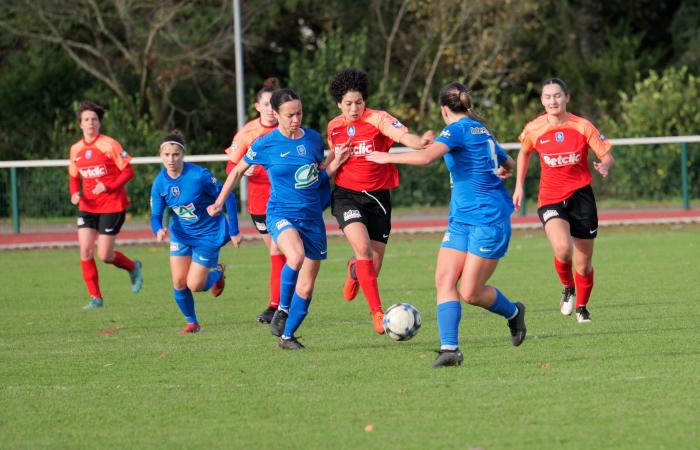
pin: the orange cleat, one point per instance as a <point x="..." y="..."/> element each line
<point x="351" y="285"/>
<point x="218" y="287"/>
<point x="378" y="321"/>
<point x="190" y="328"/>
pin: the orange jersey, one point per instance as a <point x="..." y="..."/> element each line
<point x="563" y="150"/>
<point x="258" y="183"/>
<point x="375" y="131"/>
<point x="101" y="160"/>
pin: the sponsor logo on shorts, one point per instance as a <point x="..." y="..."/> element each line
<point x="385" y="235"/>
<point x="282" y="223"/>
<point x="260" y="226"/>
<point x="81" y="221"/>
<point x="174" y="246"/>
<point x="93" y="172"/>
<point x="559" y="136"/>
<point x="549" y="214"/>
<point x="351" y="214"/>
<point x="484" y="250"/>
<point x="109" y="230"/>
<point x="479" y="130"/>
<point x="323" y="252"/>
<point x="446" y="237"/>
<point x="175" y="191"/>
<point x="301" y="150"/>
<point x="562" y="159"/>
<point x="592" y="231"/>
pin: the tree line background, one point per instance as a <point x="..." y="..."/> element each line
<point x="631" y="65"/>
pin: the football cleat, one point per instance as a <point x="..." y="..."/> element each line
<point x="266" y="315"/>
<point x="582" y="315"/>
<point x="378" y="321"/>
<point x="219" y="286"/>
<point x="447" y="358"/>
<point x="290" y="344"/>
<point x="279" y="320"/>
<point x="190" y="328"/>
<point x="94" y="303"/>
<point x="351" y="285"/>
<point x="136" y="277"/>
<point x="568" y="299"/>
<point x="518" y="330"/>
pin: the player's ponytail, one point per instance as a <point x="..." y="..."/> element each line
<point x="269" y="85"/>
<point x="175" y="137"/>
<point x="281" y="96"/>
<point x="456" y="97"/>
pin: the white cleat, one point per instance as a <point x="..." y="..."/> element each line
<point x="568" y="300"/>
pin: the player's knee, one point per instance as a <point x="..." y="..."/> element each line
<point x="469" y="295"/>
<point x="562" y="250"/>
<point x="105" y="257"/>
<point x="305" y="289"/>
<point x="444" y="281"/>
<point x="180" y="284"/>
<point x="295" y="260"/>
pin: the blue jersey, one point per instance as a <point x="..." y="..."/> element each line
<point x="297" y="186"/>
<point x="479" y="197"/>
<point x="188" y="196"/>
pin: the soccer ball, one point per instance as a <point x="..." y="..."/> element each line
<point x="401" y="321"/>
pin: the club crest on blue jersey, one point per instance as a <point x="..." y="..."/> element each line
<point x="351" y="130"/>
<point x="301" y="150"/>
<point x="186" y="212"/>
<point x="175" y="191"/>
<point x="88" y="154"/>
<point x="559" y="136"/>
<point x="305" y="176"/>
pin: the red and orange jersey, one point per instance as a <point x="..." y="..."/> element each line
<point x="563" y="150"/>
<point x="101" y="160"/>
<point x="258" y="182"/>
<point x="375" y="131"/>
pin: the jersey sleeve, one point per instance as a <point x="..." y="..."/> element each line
<point x="390" y="126"/>
<point x="157" y="207"/>
<point x="256" y="154"/>
<point x="209" y="183"/>
<point x="120" y="157"/>
<point x="239" y="146"/>
<point x="501" y="154"/>
<point x="526" y="139"/>
<point x="72" y="166"/>
<point x="596" y="141"/>
<point x="451" y="136"/>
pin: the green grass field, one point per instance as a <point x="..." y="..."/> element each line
<point x="628" y="380"/>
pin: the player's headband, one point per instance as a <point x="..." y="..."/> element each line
<point x="172" y="139"/>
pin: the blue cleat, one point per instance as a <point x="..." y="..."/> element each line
<point x="94" y="303"/>
<point x="136" y="277"/>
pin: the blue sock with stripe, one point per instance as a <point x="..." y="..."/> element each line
<point x="288" y="283"/>
<point x="298" y="311"/>
<point x="185" y="302"/>
<point x="212" y="278"/>
<point x="503" y="307"/>
<point x="449" y="314"/>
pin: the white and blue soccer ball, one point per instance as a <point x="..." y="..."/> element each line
<point x="402" y="321"/>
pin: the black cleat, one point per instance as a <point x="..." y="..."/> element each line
<point x="290" y="344"/>
<point x="446" y="358"/>
<point x="266" y="316"/>
<point x="582" y="315"/>
<point x="279" y="319"/>
<point x="568" y="300"/>
<point x="518" y="330"/>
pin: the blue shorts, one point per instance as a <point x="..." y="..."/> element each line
<point x="204" y="256"/>
<point x="312" y="233"/>
<point x="489" y="241"/>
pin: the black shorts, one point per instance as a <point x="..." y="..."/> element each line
<point x="259" y="222"/>
<point x="579" y="210"/>
<point x="373" y="209"/>
<point x="105" y="223"/>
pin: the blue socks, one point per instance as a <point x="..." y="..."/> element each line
<point x="298" y="311"/>
<point x="449" y="315"/>
<point x="185" y="302"/>
<point x="212" y="278"/>
<point x="288" y="283"/>
<point x="503" y="307"/>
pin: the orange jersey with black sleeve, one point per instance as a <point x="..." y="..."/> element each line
<point x="563" y="150"/>
<point x="258" y="182"/>
<point x="101" y="160"/>
<point x="375" y="131"/>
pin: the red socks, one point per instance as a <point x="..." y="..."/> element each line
<point x="121" y="261"/>
<point x="564" y="271"/>
<point x="277" y="262"/>
<point x="584" y="286"/>
<point x="367" y="277"/>
<point x="91" y="277"/>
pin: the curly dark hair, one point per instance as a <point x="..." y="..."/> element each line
<point x="90" y="106"/>
<point x="349" y="80"/>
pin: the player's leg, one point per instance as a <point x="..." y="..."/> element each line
<point x="179" y="268"/>
<point x="583" y="260"/>
<point x="449" y="309"/>
<point x="87" y="232"/>
<point x="277" y="261"/>
<point x="558" y="231"/>
<point x="301" y="300"/>
<point x="206" y="272"/>
<point x="291" y="245"/>
<point x="109" y="226"/>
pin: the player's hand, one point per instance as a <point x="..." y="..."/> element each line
<point x="427" y="138"/>
<point x="213" y="209"/>
<point x="503" y="173"/>
<point x="342" y="153"/>
<point x="162" y="235"/>
<point x="601" y="168"/>
<point x="517" y="197"/>
<point x="75" y="198"/>
<point x="99" y="188"/>
<point x="378" y="157"/>
<point x="236" y="240"/>
<point x="250" y="170"/>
